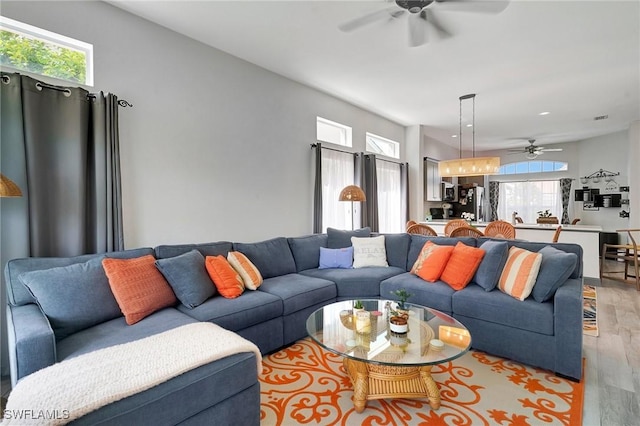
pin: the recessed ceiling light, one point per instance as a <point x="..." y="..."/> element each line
<point x="469" y="125"/>
<point x="454" y="136"/>
<point x="544" y="113"/>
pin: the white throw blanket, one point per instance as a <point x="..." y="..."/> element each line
<point x="72" y="388"/>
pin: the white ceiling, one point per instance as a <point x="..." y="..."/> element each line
<point x="574" y="59"/>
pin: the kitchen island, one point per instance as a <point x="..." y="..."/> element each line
<point x="587" y="236"/>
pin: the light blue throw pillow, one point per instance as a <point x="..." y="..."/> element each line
<point x="188" y="277"/>
<point x="556" y="267"/>
<point x="73" y="297"/>
<point x="490" y="269"/>
<point x="336" y="258"/>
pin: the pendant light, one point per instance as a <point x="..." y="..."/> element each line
<point x="473" y="166"/>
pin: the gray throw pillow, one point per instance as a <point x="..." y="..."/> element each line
<point x="556" y="267"/>
<point x="188" y="277"/>
<point x="337" y="238"/>
<point x="73" y="297"/>
<point x="490" y="269"/>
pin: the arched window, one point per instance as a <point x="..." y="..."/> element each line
<point x="533" y="166"/>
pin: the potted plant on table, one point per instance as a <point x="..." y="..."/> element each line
<point x="399" y="319"/>
<point x="545" y="216"/>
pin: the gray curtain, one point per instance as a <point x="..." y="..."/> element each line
<point x="565" y="187"/>
<point x="367" y="176"/>
<point x="404" y="188"/>
<point x="72" y="190"/>
<point x="317" y="190"/>
<point x="494" y="198"/>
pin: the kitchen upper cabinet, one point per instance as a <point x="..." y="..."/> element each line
<point x="432" y="180"/>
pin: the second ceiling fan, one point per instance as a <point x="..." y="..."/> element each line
<point x="421" y="14"/>
<point x="532" y="151"/>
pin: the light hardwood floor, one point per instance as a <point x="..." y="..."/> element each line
<point x="612" y="372"/>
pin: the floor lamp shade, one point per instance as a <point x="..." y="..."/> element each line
<point x="352" y="193"/>
<point x="8" y="188"/>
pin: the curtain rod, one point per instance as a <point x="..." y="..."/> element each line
<point x="313" y="145"/>
<point x="40" y="85"/>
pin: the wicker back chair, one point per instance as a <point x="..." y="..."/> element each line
<point x="500" y="229"/>
<point x="574" y="221"/>
<point x="556" y="235"/>
<point x="466" y="231"/>
<point x="409" y="223"/>
<point x="453" y="224"/>
<point x="421" y="229"/>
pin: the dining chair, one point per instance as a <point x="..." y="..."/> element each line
<point x="556" y="235"/>
<point x="500" y="229"/>
<point x="466" y="231"/>
<point x="409" y="223"/>
<point x="453" y="224"/>
<point x="421" y="229"/>
<point x="574" y="221"/>
<point x="628" y="253"/>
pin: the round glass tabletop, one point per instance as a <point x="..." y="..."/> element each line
<point x="368" y="335"/>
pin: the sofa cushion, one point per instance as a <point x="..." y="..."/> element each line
<point x="397" y="246"/>
<point x="251" y="277"/>
<point x="117" y="331"/>
<point x="271" y="257"/>
<point x="299" y="291"/>
<point x="73" y="297"/>
<point x="435" y="295"/>
<point x="462" y="265"/>
<point x="226" y="279"/>
<point x="490" y="268"/>
<point x="219" y="248"/>
<point x="519" y="273"/>
<point x="418" y="241"/>
<point x="555" y="269"/>
<point x="187" y="276"/>
<point x="337" y="238"/>
<point x="253" y="307"/>
<point x="306" y="250"/>
<point x="431" y="262"/>
<point x="336" y="258"/>
<point x="138" y="286"/>
<point x="369" y="251"/>
<point x="500" y="308"/>
<point x="356" y="283"/>
<point x="18" y="294"/>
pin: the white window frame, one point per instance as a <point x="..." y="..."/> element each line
<point x="345" y="133"/>
<point x="374" y="145"/>
<point x="532" y="196"/>
<point x="564" y="166"/>
<point x="36" y="33"/>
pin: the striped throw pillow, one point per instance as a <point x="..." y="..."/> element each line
<point x="520" y="273"/>
<point x="250" y="274"/>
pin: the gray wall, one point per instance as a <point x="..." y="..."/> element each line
<point x="215" y="148"/>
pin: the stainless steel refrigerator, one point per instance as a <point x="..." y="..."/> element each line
<point x="471" y="200"/>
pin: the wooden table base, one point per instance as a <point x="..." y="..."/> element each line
<point x="372" y="381"/>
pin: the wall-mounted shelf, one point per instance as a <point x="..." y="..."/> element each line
<point x="607" y="200"/>
<point x="586" y="194"/>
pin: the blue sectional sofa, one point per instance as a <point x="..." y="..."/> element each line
<point x="546" y="335"/>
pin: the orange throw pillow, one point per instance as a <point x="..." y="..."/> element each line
<point x="431" y="261"/>
<point x="226" y="279"/>
<point x="250" y="275"/>
<point x="462" y="265"/>
<point x="138" y="286"/>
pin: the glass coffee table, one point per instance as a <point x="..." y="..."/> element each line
<point x="382" y="363"/>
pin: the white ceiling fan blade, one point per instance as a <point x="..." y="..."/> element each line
<point x="430" y="17"/>
<point x="417" y="30"/>
<point x="370" y="18"/>
<point x="476" y="6"/>
<point x="551" y="149"/>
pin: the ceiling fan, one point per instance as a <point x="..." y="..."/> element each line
<point x="421" y="14"/>
<point x="532" y="151"/>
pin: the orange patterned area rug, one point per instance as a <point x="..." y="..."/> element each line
<point x="307" y="385"/>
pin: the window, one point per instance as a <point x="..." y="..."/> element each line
<point x="528" y="198"/>
<point x="379" y="145"/>
<point x="533" y="167"/>
<point x="32" y="49"/>
<point x="389" y="197"/>
<point x="332" y="132"/>
<point x="337" y="172"/>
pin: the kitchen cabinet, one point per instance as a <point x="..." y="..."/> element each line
<point x="432" y="180"/>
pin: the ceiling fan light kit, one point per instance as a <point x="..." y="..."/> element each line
<point x="532" y="151"/>
<point x="473" y="166"/>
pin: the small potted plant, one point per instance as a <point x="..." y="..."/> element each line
<point x="545" y="216"/>
<point x="399" y="320"/>
<point x="469" y="217"/>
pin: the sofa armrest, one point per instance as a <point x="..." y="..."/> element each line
<point x="32" y="344"/>
<point x="568" y="328"/>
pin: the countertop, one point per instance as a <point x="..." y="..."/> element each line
<point x="542" y="227"/>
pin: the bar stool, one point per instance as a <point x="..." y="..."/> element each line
<point x="627" y="253"/>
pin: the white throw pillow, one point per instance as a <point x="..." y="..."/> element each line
<point x="369" y="252"/>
